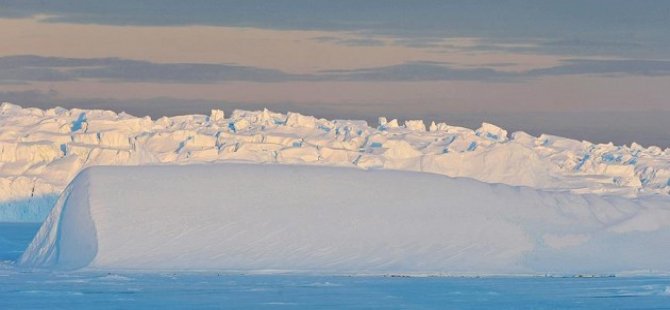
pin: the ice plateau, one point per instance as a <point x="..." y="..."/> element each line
<point x="41" y="151"/>
<point x="335" y="220"/>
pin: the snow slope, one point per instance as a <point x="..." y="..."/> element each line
<point x="42" y="150"/>
<point x="248" y="217"/>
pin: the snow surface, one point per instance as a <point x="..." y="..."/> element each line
<point x="296" y="218"/>
<point x="42" y="150"/>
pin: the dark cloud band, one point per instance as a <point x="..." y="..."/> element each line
<point x="622" y="28"/>
<point x="30" y="68"/>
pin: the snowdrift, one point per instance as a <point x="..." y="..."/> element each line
<point x="283" y="218"/>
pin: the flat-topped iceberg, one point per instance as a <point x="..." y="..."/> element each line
<point x="292" y="218"/>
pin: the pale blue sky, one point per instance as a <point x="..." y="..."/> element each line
<point x="574" y="65"/>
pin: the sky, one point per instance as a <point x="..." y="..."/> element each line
<point x="595" y="70"/>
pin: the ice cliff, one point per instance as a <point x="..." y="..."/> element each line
<point x="294" y="218"/>
<point x="42" y="150"/>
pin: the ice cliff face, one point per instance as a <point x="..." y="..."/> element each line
<point x="333" y="220"/>
<point x="42" y="150"/>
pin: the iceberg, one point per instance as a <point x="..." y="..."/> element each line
<point x="41" y="151"/>
<point x="338" y="220"/>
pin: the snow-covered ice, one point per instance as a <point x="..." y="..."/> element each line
<point x="401" y="196"/>
<point x="42" y="150"/>
<point x="335" y="220"/>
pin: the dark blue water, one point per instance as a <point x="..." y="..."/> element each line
<point x="14" y="238"/>
<point x="92" y="290"/>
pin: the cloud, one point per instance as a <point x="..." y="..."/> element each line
<point x="29" y="68"/>
<point x="577" y="27"/>
<point x="418" y="71"/>
<point x="363" y="41"/>
<point x="607" y="67"/>
<point x="434" y="71"/>
<point x="26" y="68"/>
<point x="129" y="70"/>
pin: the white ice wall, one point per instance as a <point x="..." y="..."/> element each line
<point x="247" y="217"/>
<point x="42" y="150"/>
